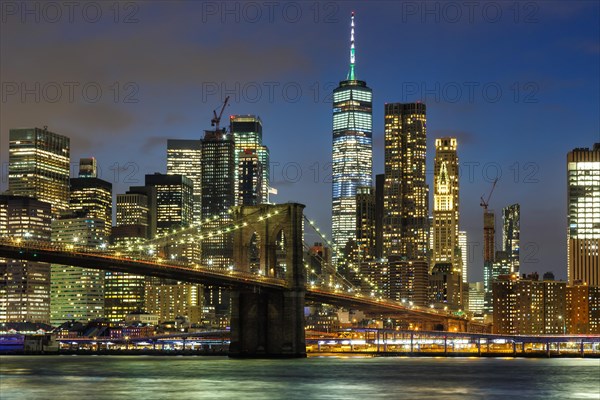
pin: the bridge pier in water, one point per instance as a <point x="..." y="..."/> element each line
<point x="269" y="322"/>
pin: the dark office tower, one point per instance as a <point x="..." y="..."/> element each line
<point x="250" y="179"/>
<point x="489" y="248"/>
<point x="91" y="195"/>
<point x="379" y="213"/>
<point x="352" y="150"/>
<point x="218" y="196"/>
<point x="365" y="224"/>
<point x="511" y="218"/>
<point x="583" y="238"/>
<point x="88" y="168"/>
<point x="174" y="201"/>
<point x="247" y="135"/>
<point x="38" y="166"/>
<point x="184" y="157"/>
<point x="24" y="285"/>
<point x="406" y="202"/>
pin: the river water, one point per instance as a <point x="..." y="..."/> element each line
<point x="166" y="377"/>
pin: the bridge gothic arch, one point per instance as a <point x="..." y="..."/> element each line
<point x="269" y="323"/>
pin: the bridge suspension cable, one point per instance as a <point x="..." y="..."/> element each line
<point x="355" y="269"/>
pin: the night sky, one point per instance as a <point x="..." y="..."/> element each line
<point x="518" y="85"/>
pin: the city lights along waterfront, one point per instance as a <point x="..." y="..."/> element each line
<point x="414" y="288"/>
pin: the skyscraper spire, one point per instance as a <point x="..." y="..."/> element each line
<point x="352" y="50"/>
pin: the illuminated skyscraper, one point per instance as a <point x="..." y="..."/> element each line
<point x="136" y="221"/>
<point x="365" y="224"/>
<point x="406" y="201"/>
<point x="249" y="179"/>
<point x="174" y="201"/>
<point x="511" y="218"/>
<point x="583" y="166"/>
<point x="446" y="246"/>
<point x="184" y="157"/>
<point x="218" y="196"/>
<point x="352" y="149"/>
<point x="489" y="249"/>
<point x="247" y="134"/>
<point x="38" y="166"/>
<point x="91" y="195"/>
<point x="463" y="243"/>
<point x="24" y="285"/>
<point x="77" y="293"/>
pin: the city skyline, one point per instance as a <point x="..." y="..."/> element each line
<point x="547" y="247"/>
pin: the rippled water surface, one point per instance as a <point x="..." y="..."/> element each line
<point x="144" y="377"/>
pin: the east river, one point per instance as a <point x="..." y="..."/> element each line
<point x="170" y="377"/>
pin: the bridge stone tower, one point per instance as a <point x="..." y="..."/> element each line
<point x="269" y="322"/>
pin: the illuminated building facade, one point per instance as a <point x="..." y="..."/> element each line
<point x="174" y="201"/>
<point x="365" y="224"/>
<point x="511" y="217"/>
<point x="583" y="169"/>
<point x="77" y="293"/>
<point x="583" y="309"/>
<point x="406" y="204"/>
<point x="184" y="157"/>
<point x="249" y="179"/>
<point x="38" y="166"/>
<point x="172" y="301"/>
<point x="218" y="196"/>
<point x="352" y="150"/>
<point x="528" y="306"/>
<point x="446" y="246"/>
<point x="476" y="299"/>
<point x="489" y="233"/>
<point x="247" y="132"/>
<point x="463" y="243"/>
<point x="136" y="221"/>
<point x="445" y="286"/>
<point x="91" y="195"/>
<point x="24" y="285"/>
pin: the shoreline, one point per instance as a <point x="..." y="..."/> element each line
<point x="308" y="354"/>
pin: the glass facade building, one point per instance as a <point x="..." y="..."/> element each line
<point x="511" y="227"/>
<point x="247" y="132"/>
<point x="218" y="196"/>
<point x="352" y="150"/>
<point x="583" y="174"/>
<point x="38" y="166"/>
<point x="77" y="293"/>
<point x="91" y="195"/>
<point x="406" y="194"/>
<point x="184" y="158"/>
<point x="24" y="285"/>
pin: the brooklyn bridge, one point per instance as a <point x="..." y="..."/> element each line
<point x="267" y="304"/>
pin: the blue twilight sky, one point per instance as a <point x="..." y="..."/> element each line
<point x="517" y="83"/>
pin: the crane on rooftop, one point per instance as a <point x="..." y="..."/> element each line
<point x="486" y="202"/>
<point x="216" y="120"/>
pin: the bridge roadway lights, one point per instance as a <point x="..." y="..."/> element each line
<point x="269" y="323"/>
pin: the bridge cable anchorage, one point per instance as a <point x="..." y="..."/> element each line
<point x="355" y="269"/>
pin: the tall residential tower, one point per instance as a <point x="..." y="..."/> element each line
<point x="406" y="203"/>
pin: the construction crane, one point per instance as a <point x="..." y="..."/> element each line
<point x="216" y="120"/>
<point x="485" y="203"/>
